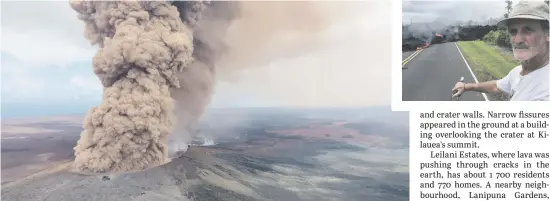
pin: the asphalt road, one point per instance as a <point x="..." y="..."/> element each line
<point x="406" y="54"/>
<point x="432" y="74"/>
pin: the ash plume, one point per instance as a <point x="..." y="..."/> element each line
<point x="236" y="35"/>
<point x="142" y="47"/>
<point x="268" y="30"/>
<point x="159" y="63"/>
<point x="198" y="79"/>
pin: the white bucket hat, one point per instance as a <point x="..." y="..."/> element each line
<point x="535" y="10"/>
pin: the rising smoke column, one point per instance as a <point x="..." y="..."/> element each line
<point x="143" y="46"/>
<point x="158" y="62"/>
<point x="199" y="78"/>
<point x="234" y="35"/>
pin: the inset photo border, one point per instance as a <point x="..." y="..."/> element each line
<point x="442" y="46"/>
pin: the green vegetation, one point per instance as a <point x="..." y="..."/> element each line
<point x="499" y="37"/>
<point x="486" y="61"/>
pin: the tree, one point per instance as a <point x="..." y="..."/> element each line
<point x="490" y="37"/>
<point x="508" y="8"/>
<point x="547" y="2"/>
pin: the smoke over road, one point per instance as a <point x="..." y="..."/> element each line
<point x="422" y="19"/>
<point x="159" y="61"/>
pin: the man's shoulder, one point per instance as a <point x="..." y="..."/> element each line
<point x="515" y="72"/>
<point x="516" y="69"/>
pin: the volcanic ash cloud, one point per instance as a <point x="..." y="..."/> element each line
<point x="159" y="62"/>
<point x="143" y="46"/>
<point x="199" y="78"/>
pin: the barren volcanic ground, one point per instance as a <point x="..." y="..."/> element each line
<point x="239" y="154"/>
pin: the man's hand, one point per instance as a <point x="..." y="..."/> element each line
<point x="459" y="88"/>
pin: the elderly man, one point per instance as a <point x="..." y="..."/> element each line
<point x="528" y="28"/>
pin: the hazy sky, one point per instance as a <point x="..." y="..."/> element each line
<point x="46" y="62"/>
<point x="449" y="11"/>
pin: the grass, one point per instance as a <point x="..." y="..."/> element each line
<point x="487" y="62"/>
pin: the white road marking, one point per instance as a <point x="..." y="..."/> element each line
<point x="408" y="59"/>
<point x="13" y="138"/>
<point x="472" y="72"/>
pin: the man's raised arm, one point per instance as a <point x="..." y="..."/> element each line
<point x="483" y="87"/>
